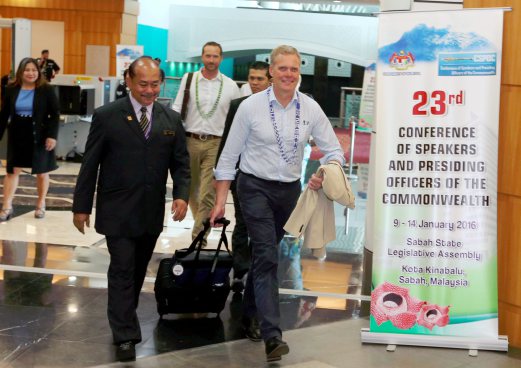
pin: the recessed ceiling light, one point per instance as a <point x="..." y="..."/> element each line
<point x="337" y="1"/>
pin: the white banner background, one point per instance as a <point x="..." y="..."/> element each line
<point x="435" y="266"/>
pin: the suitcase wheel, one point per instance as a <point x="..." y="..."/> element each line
<point x="161" y="311"/>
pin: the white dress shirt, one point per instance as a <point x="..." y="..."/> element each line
<point x="137" y="110"/>
<point x="252" y="137"/>
<point x="245" y="90"/>
<point x="208" y="92"/>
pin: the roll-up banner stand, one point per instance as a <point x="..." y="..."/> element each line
<point x="434" y="280"/>
<point x="125" y="55"/>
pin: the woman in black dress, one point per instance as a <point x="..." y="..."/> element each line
<point x="30" y="114"/>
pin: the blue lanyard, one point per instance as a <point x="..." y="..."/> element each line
<point x="289" y="159"/>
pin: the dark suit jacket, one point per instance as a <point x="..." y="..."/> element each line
<point x="234" y="105"/>
<point x="46" y="117"/>
<point x="132" y="170"/>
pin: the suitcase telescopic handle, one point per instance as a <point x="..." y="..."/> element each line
<point x="222" y="221"/>
<point x="197" y="243"/>
<point x="222" y="240"/>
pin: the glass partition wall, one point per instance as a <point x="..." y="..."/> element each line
<point x="311" y="280"/>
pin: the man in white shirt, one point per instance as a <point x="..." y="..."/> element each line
<point x="210" y="95"/>
<point x="270" y="131"/>
<point x="246" y="90"/>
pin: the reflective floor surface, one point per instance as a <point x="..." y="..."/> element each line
<point x="53" y="287"/>
<point x="53" y="301"/>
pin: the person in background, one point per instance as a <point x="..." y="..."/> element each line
<point x="270" y="131"/>
<point x="4" y="82"/>
<point x="132" y="144"/>
<point x="246" y="90"/>
<point x="121" y="89"/>
<point x="210" y="95"/>
<point x="30" y="114"/>
<point x="259" y="80"/>
<point x="161" y="71"/>
<point x="49" y="67"/>
<point x="162" y="76"/>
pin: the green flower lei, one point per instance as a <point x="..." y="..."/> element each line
<point x="210" y="113"/>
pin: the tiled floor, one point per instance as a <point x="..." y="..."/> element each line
<point x="332" y="345"/>
<point x="53" y="303"/>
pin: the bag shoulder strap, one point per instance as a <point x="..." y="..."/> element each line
<point x="186" y="96"/>
<point x="197" y="243"/>
<point x="223" y="239"/>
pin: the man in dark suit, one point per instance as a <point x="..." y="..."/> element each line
<point x="133" y="142"/>
<point x="259" y="80"/>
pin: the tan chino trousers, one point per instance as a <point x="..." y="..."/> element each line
<point x="202" y="192"/>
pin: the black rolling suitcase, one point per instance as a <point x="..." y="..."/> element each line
<point x="195" y="280"/>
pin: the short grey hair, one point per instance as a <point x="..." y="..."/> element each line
<point x="284" y="50"/>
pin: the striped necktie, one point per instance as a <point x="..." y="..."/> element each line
<point x="144" y="123"/>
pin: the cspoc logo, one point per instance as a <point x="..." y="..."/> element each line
<point x="401" y="60"/>
<point x="484" y="58"/>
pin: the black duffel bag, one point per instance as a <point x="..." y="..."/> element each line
<point x="195" y="279"/>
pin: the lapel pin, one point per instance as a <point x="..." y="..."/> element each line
<point x="129" y="118"/>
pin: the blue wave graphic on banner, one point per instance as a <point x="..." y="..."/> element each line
<point x="424" y="43"/>
<point x="133" y="54"/>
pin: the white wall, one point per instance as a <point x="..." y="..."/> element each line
<point x="251" y="31"/>
<point x="155" y="13"/>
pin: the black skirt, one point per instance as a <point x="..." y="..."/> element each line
<point x="21" y="136"/>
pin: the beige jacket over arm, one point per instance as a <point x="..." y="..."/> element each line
<point x="314" y="215"/>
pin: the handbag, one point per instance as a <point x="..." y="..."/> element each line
<point x="195" y="279"/>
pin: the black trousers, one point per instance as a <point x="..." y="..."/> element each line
<point x="129" y="259"/>
<point x="266" y="206"/>
<point x="240" y="240"/>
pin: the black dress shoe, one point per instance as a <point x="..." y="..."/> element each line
<point x="237" y="286"/>
<point x="251" y="329"/>
<point x="126" y="351"/>
<point x="275" y="349"/>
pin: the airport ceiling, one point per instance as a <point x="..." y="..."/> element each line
<point x="348" y="2"/>
<point x="361" y="7"/>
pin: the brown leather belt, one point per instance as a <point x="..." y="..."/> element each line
<point x="203" y="137"/>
